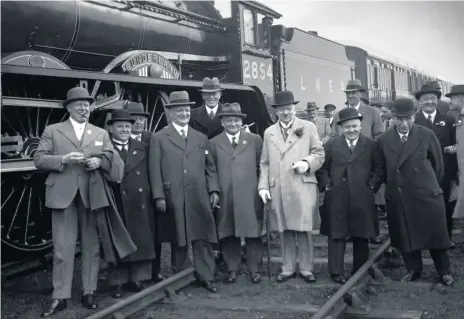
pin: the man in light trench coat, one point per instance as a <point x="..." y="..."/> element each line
<point x="291" y="155"/>
<point x="240" y="215"/>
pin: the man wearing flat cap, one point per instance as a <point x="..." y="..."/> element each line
<point x="240" y="213"/>
<point x="292" y="154"/>
<point x="185" y="189"/>
<point x="416" y="210"/>
<point x="371" y="125"/>
<point x="329" y="113"/>
<point x="322" y="124"/>
<point x="443" y="126"/>
<point x="66" y="151"/>
<point x="351" y="175"/>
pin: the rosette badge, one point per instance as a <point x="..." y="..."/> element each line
<point x="441" y="123"/>
<point x="299" y="132"/>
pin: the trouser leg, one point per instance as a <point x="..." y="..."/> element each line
<point x="441" y="261"/>
<point x="254" y="253"/>
<point x="118" y="274"/>
<point x="156" y="263"/>
<point x="140" y="270"/>
<point x="203" y="258"/>
<point x="179" y="257"/>
<point x="289" y="253"/>
<point x="360" y="252"/>
<point x="305" y="251"/>
<point x="64" y="233"/>
<point x="232" y="252"/>
<point x="336" y="255"/>
<point x="449" y="216"/>
<point x="413" y="261"/>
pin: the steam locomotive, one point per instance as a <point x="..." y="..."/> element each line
<point x="140" y="51"/>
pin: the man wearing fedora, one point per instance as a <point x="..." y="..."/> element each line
<point x="292" y="153"/>
<point x="185" y="189"/>
<point x="322" y="124"/>
<point x="240" y="214"/>
<point x="133" y="200"/>
<point x="351" y="175"/>
<point x="416" y="210"/>
<point x="372" y="125"/>
<point x="65" y="152"/>
<point x="443" y="126"/>
<point x="329" y="113"/>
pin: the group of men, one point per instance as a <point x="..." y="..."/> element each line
<point x="205" y="181"/>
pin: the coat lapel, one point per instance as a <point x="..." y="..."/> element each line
<point x="192" y="139"/>
<point x="225" y="144"/>
<point x="175" y="137"/>
<point x="358" y="150"/>
<point x="276" y="136"/>
<point x="135" y="155"/>
<point x="343" y="148"/>
<point x="395" y="143"/>
<point x="242" y="143"/>
<point x="89" y="135"/>
<point x="68" y="131"/>
<point x="292" y="138"/>
<point x="414" y="140"/>
<point x="205" y="121"/>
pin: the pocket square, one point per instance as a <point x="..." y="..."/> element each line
<point x="98" y="143"/>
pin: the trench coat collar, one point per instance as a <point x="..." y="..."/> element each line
<point x="278" y="139"/>
<point x="90" y="133"/>
<point x="135" y="155"/>
<point x="175" y="137"/>
<point x="205" y="121"/>
<point x="359" y="148"/>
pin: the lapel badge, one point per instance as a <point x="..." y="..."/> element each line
<point x="458" y="123"/>
<point x="244" y="142"/>
<point x="89" y="132"/>
<point x="442" y="123"/>
<point x="206" y="152"/>
<point x="134" y="152"/>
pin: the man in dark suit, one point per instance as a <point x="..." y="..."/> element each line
<point x="351" y="174"/>
<point x="185" y="189"/>
<point x="139" y="133"/>
<point x="65" y="151"/>
<point x="443" y="126"/>
<point x="416" y="210"/>
<point x="330" y="112"/>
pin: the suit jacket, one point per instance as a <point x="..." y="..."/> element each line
<point x="371" y="125"/>
<point x="353" y="179"/>
<point x="64" y="181"/>
<point x="413" y="196"/>
<point x="184" y="174"/>
<point x="201" y="122"/>
<point x="323" y="129"/>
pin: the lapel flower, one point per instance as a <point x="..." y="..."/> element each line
<point x="441" y="123"/>
<point x="299" y="132"/>
<point x="458" y="123"/>
<point x="244" y="142"/>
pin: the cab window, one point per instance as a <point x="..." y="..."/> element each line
<point x="249" y="27"/>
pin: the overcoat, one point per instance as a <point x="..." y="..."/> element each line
<point x="371" y="124"/>
<point x="294" y="204"/>
<point x="459" y="210"/>
<point x="184" y="174"/>
<point x="202" y="122"/>
<point x="323" y="129"/>
<point x="241" y="212"/>
<point x="414" y="199"/>
<point x="134" y="201"/>
<point x="353" y="179"/>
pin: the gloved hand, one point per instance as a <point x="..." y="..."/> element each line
<point x="265" y="195"/>
<point x="300" y="167"/>
<point x="160" y="205"/>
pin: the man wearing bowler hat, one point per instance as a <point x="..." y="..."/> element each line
<point x="65" y="152"/>
<point x="330" y="112"/>
<point x="185" y="189"/>
<point x="292" y="153"/>
<point x="372" y="125"/>
<point x="416" y="210"/>
<point x="351" y="175"/>
<point x="322" y="124"/>
<point x="443" y="126"/>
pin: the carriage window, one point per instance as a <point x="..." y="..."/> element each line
<point x="249" y="27"/>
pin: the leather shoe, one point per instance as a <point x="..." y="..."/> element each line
<point x="133" y="287"/>
<point x="116" y="291"/>
<point x="231" y="277"/>
<point x="56" y="306"/>
<point x="209" y="285"/>
<point x="447" y="280"/>
<point x="255" y="277"/>
<point x="411" y="276"/>
<point x="89" y="301"/>
<point x="339" y="279"/>
<point x="284" y="277"/>
<point x="308" y="277"/>
<point x="158" y="278"/>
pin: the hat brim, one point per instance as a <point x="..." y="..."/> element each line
<point x="450" y="94"/>
<point x="232" y="114"/>
<point x="111" y="121"/>
<point x="171" y="105"/>
<point x="140" y="113"/>
<point x="330" y="108"/>
<point x="284" y="104"/>
<point x="410" y="113"/>
<point x="210" y="90"/>
<point x="350" y="118"/>
<point x="90" y="99"/>
<point x="312" y="108"/>
<point x="420" y="93"/>
<point x="354" y="90"/>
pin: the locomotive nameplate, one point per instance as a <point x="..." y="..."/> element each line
<point x="151" y="64"/>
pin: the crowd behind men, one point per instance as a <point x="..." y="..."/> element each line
<point x="205" y="181"/>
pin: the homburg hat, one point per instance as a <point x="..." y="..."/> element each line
<point x="284" y="98"/>
<point x="330" y="107"/>
<point x="231" y="109"/>
<point x="348" y="113"/>
<point x="179" y="98"/>
<point x="78" y="94"/>
<point x="311" y="106"/>
<point x="353" y="86"/>
<point x="429" y="87"/>
<point x="120" y="115"/>
<point x="135" y="108"/>
<point x="211" y="85"/>
<point x="456" y="90"/>
<point x="403" y="107"/>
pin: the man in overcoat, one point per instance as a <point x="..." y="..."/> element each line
<point x="329" y="113"/>
<point x="133" y="200"/>
<point x="350" y="175"/>
<point x="237" y="154"/>
<point x="292" y="153"/>
<point x="65" y="152"/>
<point x="322" y="124"/>
<point x="185" y="189"/>
<point x="416" y="209"/>
<point x="443" y="126"/>
<point x="372" y="125"/>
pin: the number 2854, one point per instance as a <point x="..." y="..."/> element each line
<point x="256" y="70"/>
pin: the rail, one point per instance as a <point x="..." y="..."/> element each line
<point x="147" y="297"/>
<point x="331" y="309"/>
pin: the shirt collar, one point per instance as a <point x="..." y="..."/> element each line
<point x="357" y="106"/>
<point x="77" y="124"/>
<point x="286" y="126"/>
<point x="214" y="109"/>
<point x="401" y="135"/>
<point x="431" y="114"/>
<point x="119" y="142"/>
<point x="135" y="135"/>
<point x="237" y="137"/>
<point x="178" y="128"/>
<point x="354" y="142"/>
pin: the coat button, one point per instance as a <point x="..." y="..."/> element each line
<point x="124" y="192"/>
<point x="142" y="206"/>
<point x="140" y="190"/>
<point x="185" y="171"/>
<point x="138" y="172"/>
<point x="343" y="179"/>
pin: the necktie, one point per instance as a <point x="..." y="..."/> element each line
<point x="352" y="146"/>
<point x="211" y="114"/>
<point x="430" y="119"/>
<point x="404" y="139"/>
<point x="122" y="147"/>
<point x="234" y="143"/>
<point x="182" y="133"/>
<point x="138" y="137"/>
